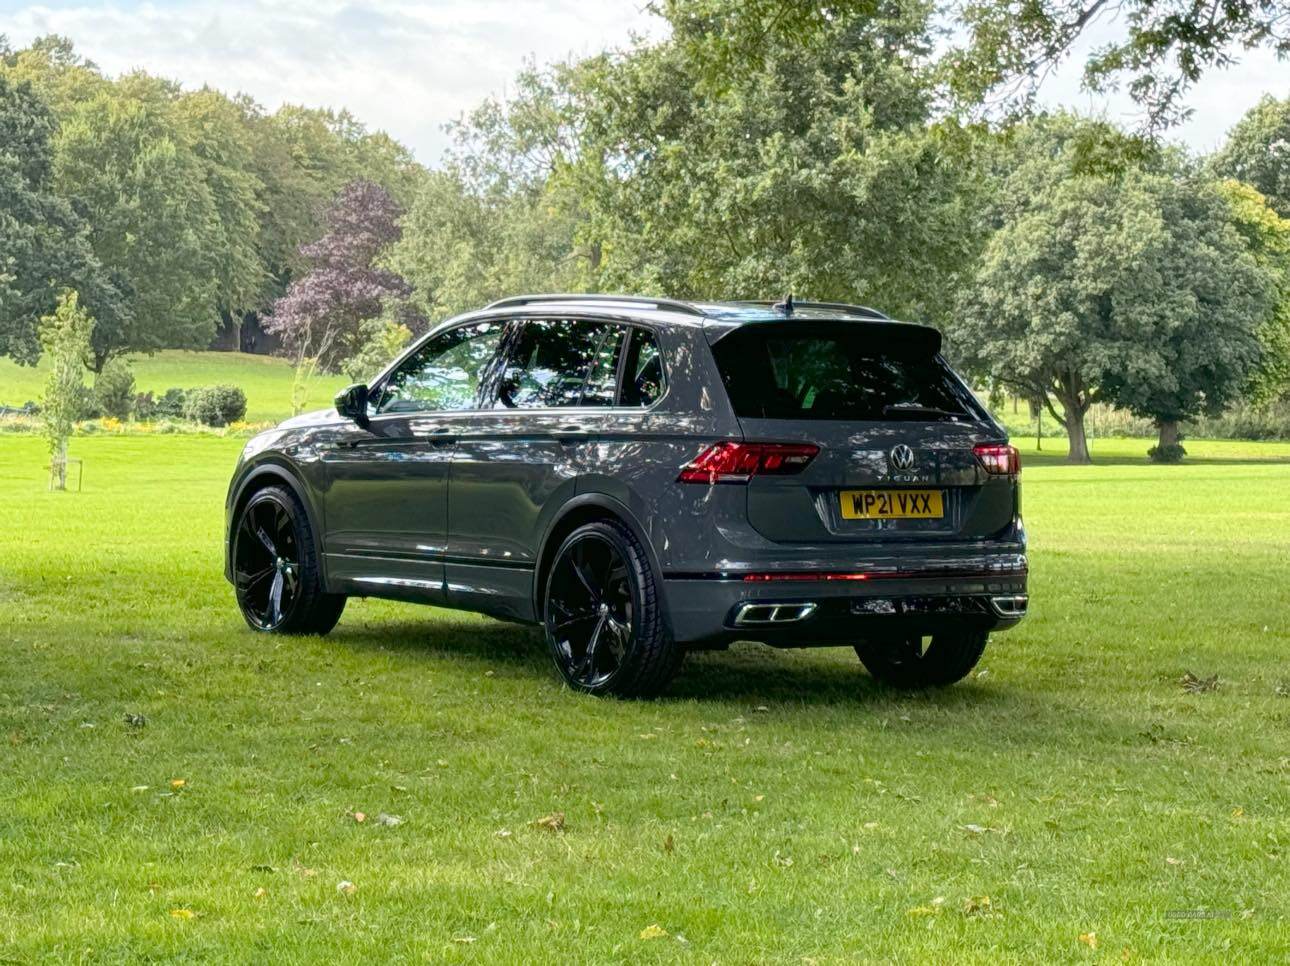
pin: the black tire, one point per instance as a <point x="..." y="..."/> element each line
<point x="274" y="551"/>
<point x="623" y="603"/>
<point x="906" y="663"/>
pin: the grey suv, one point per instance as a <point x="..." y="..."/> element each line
<point x="644" y="477"/>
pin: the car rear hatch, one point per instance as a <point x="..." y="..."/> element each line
<point x="904" y="450"/>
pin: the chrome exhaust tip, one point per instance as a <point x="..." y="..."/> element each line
<point x="1010" y="605"/>
<point x="761" y="615"/>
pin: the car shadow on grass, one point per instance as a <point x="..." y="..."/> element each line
<point x="749" y="674"/>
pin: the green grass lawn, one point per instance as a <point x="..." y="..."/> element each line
<point x="266" y="380"/>
<point x="774" y="807"/>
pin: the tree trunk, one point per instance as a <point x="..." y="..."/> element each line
<point x="1168" y="432"/>
<point x="1075" y="433"/>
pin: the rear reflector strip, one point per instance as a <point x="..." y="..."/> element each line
<point x="758" y="578"/>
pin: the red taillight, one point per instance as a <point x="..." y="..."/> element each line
<point x="999" y="459"/>
<point x="731" y="462"/>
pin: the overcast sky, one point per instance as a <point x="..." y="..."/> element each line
<point x="407" y="67"/>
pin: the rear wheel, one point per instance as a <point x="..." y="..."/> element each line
<point x="923" y="662"/>
<point x="275" y="567"/>
<point x="603" y="616"/>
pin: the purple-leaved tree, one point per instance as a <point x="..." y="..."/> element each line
<point x="321" y="317"/>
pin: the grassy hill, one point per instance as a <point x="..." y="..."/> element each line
<point x="266" y="380"/>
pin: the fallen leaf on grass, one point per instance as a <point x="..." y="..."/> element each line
<point x="929" y="910"/>
<point x="977" y="906"/>
<point x="1196" y="685"/>
<point x="669" y="846"/>
<point x="389" y="821"/>
<point x="465" y="939"/>
<point x="178" y="783"/>
<point x="360" y="817"/>
<point x="1089" y="939"/>
<point x="182" y="913"/>
<point x="261" y="892"/>
<point x="551" y="823"/>
<point x="346" y="888"/>
<point x="653" y="931"/>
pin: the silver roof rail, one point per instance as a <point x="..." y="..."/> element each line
<point x="839" y="306"/>
<point x="671" y="305"/>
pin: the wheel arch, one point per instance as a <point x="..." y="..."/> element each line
<point x="265" y="474"/>
<point x="588" y="508"/>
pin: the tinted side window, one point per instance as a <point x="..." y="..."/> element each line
<point x="445" y="373"/>
<point x="643" y="377"/>
<point x="549" y="364"/>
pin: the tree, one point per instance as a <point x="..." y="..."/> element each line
<point x="321" y="316"/>
<point x="1267" y="238"/>
<point x="813" y="169"/>
<point x="65" y="336"/>
<point x="124" y="158"/>
<point x="1128" y="285"/>
<point x="1258" y="152"/>
<point x="44" y="246"/>
<point x="1162" y="47"/>
<point x="1204" y="301"/>
<point x="218" y="132"/>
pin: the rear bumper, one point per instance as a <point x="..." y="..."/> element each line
<point x="819" y="607"/>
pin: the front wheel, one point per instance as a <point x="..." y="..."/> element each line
<point x="603" y="615"/>
<point x="917" y="662"/>
<point x="275" y="567"/>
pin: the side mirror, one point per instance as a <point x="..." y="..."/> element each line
<point x="351" y="402"/>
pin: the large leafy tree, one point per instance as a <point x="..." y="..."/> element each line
<point x="1267" y="238"/>
<point x="1128" y="285"/>
<point x="504" y="215"/>
<point x="43" y="244"/>
<point x="218" y="133"/>
<point x="1258" y="152"/>
<point x="321" y="317"/>
<point x="1159" y="47"/>
<point x="812" y="169"/>
<point x="132" y="173"/>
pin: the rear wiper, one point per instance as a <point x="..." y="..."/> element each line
<point x="919" y="412"/>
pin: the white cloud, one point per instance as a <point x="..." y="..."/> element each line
<point x="408" y="67"/>
<point x="402" y="67"/>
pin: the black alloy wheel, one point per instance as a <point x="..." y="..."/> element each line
<point x="602" y="615"/>
<point x="275" y="568"/>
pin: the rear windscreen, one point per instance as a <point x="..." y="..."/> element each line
<point x="850" y="372"/>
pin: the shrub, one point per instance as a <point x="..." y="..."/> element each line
<point x="215" y="405"/>
<point x="1169" y="453"/>
<point x="86" y="404"/>
<point x="114" y="390"/>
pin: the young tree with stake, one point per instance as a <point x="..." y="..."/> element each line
<point x="65" y="336"/>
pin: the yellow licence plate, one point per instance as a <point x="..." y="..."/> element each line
<point x="892" y="504"/>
